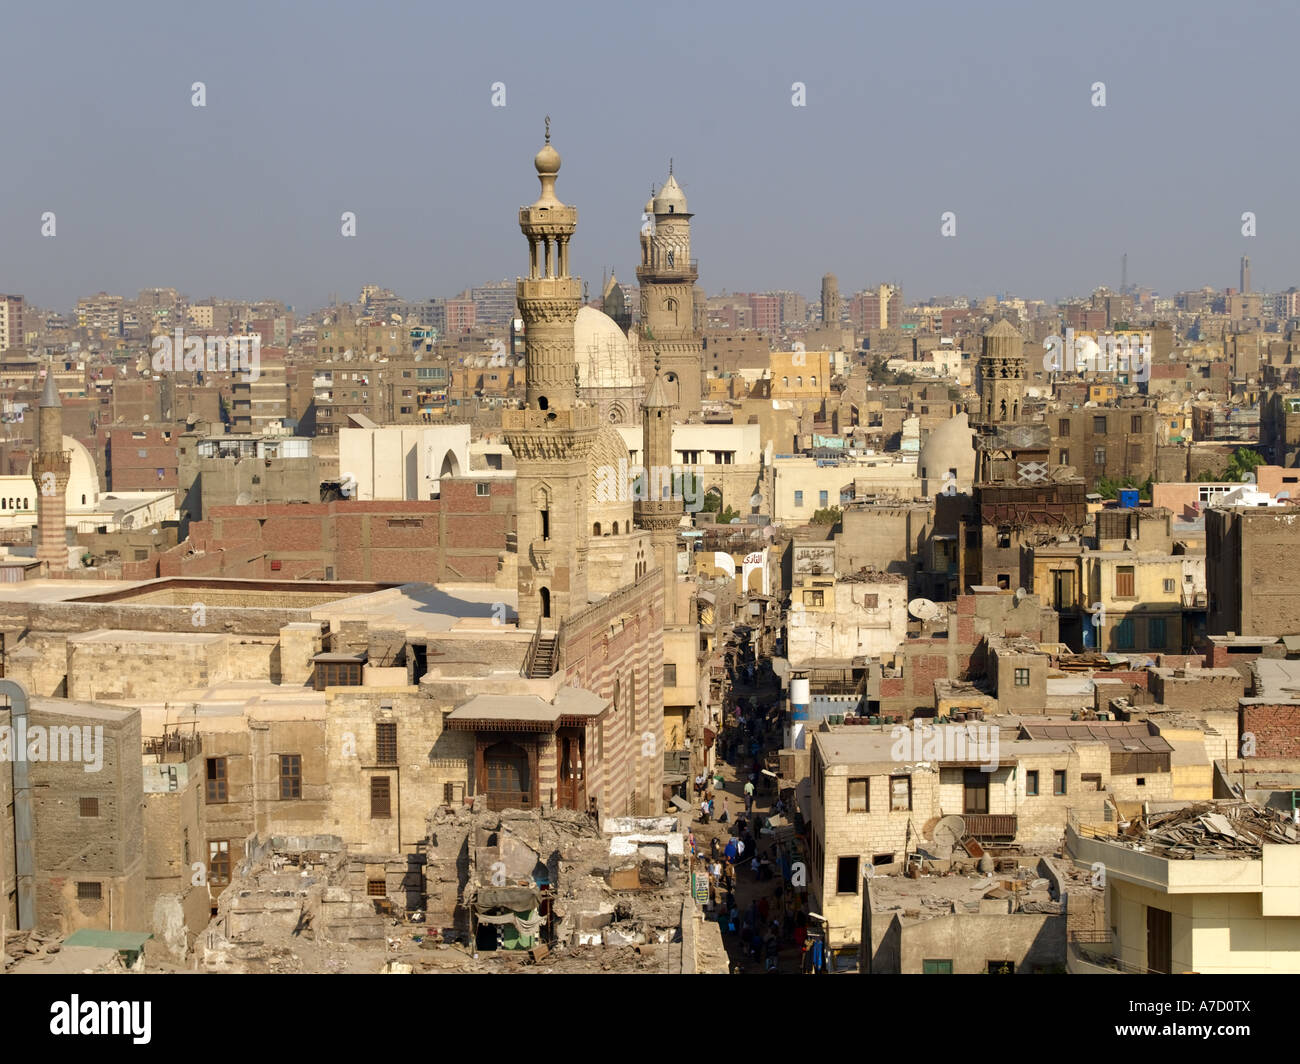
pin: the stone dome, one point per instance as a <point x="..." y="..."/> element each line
<point x="609" y="484"/>
<point x="606" y="358"/>
<point x="83" y="479"/>
<point x="949" y="446"/>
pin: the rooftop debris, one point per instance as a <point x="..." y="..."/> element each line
<point x="1209" y="830"/>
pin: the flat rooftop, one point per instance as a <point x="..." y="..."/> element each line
<point x="431" y="608"/>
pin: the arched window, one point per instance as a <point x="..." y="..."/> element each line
<point x="546" y="602"/>
<point x="798" y="381"/>
<point x="595" y="529"/>
<point x="812" y="381"/>
<point x="616" y="528"/>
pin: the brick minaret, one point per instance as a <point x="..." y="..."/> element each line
<point x="50" y="469"/>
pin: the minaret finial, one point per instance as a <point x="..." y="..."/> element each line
<point x="656" y="361"/>
<point x="670" y="166"/>
<point x="548" y="129"/>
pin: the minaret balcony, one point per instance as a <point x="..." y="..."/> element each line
<point x="51" y="462"/>
<point x="539" y="555"/>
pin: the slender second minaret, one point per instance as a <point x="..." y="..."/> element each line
<point x="657" y="510"/>
<point x="667" y="275"/>
<point x="51" y="466"/>
<point x="554" y="433"/>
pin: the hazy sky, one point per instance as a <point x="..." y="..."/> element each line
<point x="385" y="109"/>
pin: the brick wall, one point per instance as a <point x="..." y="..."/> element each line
<point x="1276" y="727"/>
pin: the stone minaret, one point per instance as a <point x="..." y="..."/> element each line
<point x="658" y="511"/>
<point x="50" y="471"/>
<point x="667" y="276"/>
<point x="554" y="433"/>
<point x="830" y="300"/>
<point x="1001" y="375"/>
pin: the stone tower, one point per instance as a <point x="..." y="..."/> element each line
<point x="553" y="434"/>
<point x="667" y="276"/>
<point x="830" y="300"/>
<point x="658" y="509"/>
<point x="1001" y="372"/>
<point x="51" y="467"/>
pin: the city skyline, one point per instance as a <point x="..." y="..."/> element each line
<point x="147" y="189"/>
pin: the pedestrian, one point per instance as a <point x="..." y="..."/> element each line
<point x="699" y="783"/>
<point x="725" y="815"/>
<point x="690" y="837"/>
<point x="740" y="847"/>
<point x="715" y="847"/>
<point x="753" y="866"/>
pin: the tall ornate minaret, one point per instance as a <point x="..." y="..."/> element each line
<point x="667" y="276"/>
<point x="552" y="436"/>
<point x="1001" y="375"/>
<point x="658" y="511"/>
<point x="51" y="466"/>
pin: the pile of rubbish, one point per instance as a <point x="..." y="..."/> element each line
<point x="1227" y="829"/>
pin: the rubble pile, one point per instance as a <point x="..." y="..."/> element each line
<point x="1209" y="830"/>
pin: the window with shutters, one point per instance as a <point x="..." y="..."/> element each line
<point x="219" y="861"/>
<point x="290" y="776"/>
<point x="386" y="743"/>
<point x="1124" y="581"/>
<point x="89" y="807"/>
<point x="380" y="798"/>
<point x="90" y="891"/>
<point x="217" y="791"/>
<point x="859" y="796"/>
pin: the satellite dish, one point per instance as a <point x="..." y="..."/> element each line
<point x="1020" y="594"/>
<point x="948" y="834"/>
<point x="1283" y="495"/>
<point x="1202" y="395"/>
<point x="347" y="355"/>
<point x="128" y="521"/>
<point x="419" y="356"/>
<point x="923" y="609"/>
<point x="244" y="499"/>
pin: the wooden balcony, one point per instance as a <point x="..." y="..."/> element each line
<point x="988" y="826"/>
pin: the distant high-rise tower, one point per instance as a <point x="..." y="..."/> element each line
<point x="1245" y="274"/>
<point x="1001" y="374"/>
<point x="830" y="300"/>
<point x="667" y="275"/>
<point x="11" y="322"/>
<point x="553" y="435"/>
<point x="51" y="467"/>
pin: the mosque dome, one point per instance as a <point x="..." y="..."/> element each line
<point x="949" y="446"/>
<point x="83" y="478"/>
<point x="605" y="356"/>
